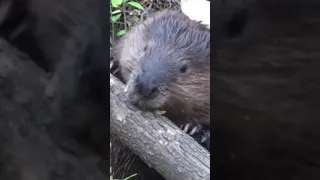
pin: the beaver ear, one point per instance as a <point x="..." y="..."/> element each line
<point x="184" y="68"/>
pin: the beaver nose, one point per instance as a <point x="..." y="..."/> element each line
<point x="147" y="91"/>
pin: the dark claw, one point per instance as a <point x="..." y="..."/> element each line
<point x="194" y="130"/>
<point x="205" y="140"/>
<point x="111" y="64"/>
<point x="114" y="67"/>
<point x="186" y="128"/>
<point x="206" y="136"/>
<point x="197" y="131"/>
<point x="195" y="127"/>
<point x="116" y="70"/>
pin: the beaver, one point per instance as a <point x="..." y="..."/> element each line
<point x="165" y="63"/>
<point x="168" y="66"/>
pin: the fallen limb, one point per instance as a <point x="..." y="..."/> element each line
<point x="159" y="142"/>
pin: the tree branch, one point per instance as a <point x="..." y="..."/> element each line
<point x="159" y="142"/>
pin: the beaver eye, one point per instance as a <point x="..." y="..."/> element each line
<point x="183" y="69"/>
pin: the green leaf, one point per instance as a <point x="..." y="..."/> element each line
<point x="116" y="11"/>
<point x="136" y="5"/>
<point x="116" y="17"/>
<point x="121" y="32"/>
<point x="116" y="3"/>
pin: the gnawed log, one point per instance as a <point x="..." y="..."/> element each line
<point x="159" y="142"/>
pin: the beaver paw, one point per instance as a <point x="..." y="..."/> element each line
<point x="192" y="128"/>
<point x="198" y="133"/>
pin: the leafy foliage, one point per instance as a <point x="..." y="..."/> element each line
<point x="119" y="19"/>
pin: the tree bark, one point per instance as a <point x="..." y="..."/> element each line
<point x="27" y="151"/>
<point x="159" y="142"/>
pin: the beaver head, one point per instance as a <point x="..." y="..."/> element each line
<point x="174" y="64"/>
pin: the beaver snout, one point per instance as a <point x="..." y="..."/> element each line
<point x="147" y="90"/>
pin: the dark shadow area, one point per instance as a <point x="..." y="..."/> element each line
<point x="37" y="139"/>
<point x="265" y="94"/>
